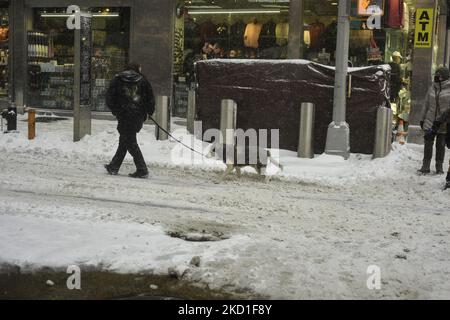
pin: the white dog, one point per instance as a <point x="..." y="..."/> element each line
<point x="241" y="158"/>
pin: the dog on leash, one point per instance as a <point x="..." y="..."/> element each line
<point x="246" y="156"/>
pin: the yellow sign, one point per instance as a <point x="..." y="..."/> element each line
<point x="424" y="28"/>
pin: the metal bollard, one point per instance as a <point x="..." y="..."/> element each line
<point x="191" y="111"/>
<point x="383" y="134"/>
<point x="31" y="124"/>
<point x="306" y="134"/>
<point x="228" y="114"/>
<point x="162" y="117"/>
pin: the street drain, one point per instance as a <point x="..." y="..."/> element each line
<point x="196" y="236"/>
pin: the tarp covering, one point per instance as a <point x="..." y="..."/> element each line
<point x="269" y="94"/>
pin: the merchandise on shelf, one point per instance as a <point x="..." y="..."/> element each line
<point x="38" y="45"/>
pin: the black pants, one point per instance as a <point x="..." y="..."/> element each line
<point x="128" y="143"/>
<point x="440" y="150"/>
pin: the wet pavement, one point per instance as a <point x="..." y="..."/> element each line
<point x="98" y="285"/>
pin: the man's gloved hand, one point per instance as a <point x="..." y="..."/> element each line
<point x="436" y="126"/>
<point x="430" y="134"/>
<point x="421" y="125"/>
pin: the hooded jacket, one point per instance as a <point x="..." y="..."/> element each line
<point x="130" y="97"/>
<point x="436" y="104"/>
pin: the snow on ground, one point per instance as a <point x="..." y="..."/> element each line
<point x="310" y="233"/>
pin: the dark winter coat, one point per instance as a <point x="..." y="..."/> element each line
<point x="443" y="120"/>
<point x="436" y="103"/>
<point x="130" y="99"/>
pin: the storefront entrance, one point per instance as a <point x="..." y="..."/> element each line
<point x="51" y="55"/>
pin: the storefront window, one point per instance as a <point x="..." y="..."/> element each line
<point x="4" y="51"/>
<point x="389" y="41"/>
<point x="242" y="29"/>
<point x="230" y="29"/>
<point x="51" y="56"/>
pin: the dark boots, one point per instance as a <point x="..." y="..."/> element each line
<point x="141" y="174"/>
<point x="439" y="168"/>
<point x="425" y="168"/>
<point x="111" y="171"/>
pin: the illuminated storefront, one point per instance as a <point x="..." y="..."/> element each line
<point x="381" y="32"/>
<point x="42" y="53"/>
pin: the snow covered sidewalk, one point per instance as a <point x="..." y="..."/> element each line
<point x="312" y="233"/>
<point x="56" y="139"/>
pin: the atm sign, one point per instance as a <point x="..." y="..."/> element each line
<point x="424" y="28"/>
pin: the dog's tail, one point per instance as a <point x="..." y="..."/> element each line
<point x="274" y="161"/>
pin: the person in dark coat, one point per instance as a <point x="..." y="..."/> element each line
<point x="443" y="120"/>
<point x="130" y="99"/>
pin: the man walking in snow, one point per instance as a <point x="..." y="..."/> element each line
<point x="130" y="99"/>
<point x="437" y="103"/>
<point x="444" y="119"/>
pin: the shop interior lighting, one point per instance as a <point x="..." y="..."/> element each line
<point x="66" y="15"/>
<point x="234" y="11"/>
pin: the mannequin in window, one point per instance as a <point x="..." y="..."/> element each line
<point x="191" y="34"/>
<point x="222" y="31"/>
<point x="282" y="32"/>
<point x="252" y="33"/>
<point x="237" y="32"/>
<point x="208" y="31"/>
<point x="395" y="75"/>
<point x="395" y="15"/>
<point x="316" y="31"/>
<point x="267" y="38"/>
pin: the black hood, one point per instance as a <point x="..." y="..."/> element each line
<point x="130" y="76"/>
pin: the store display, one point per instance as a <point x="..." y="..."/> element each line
<point x="208" y="31"/>
<point x="252" y="33"/>
<point x="38" y="45"/>
<point x="282" y="33"/>
<point x="4" y="32"/>
<point x="51" y="60"/>
<point x="222" y="32"/>
<point x="395" y="75"/>
<point x="237" y="32"/>
<point x="394" y="14"/>
<point x="191" y="31"/>
<point x="178" y="51"/>
<point x="316" y="30"/>
<point x="50" y="69"/>
<point x="263" y="36"/>
<point x="4" y="53"/>
<point x="268" y="35"/>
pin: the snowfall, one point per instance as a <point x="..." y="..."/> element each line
<point x="313" y="231"/>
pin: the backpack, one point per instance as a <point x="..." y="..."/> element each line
<point x="132" y="97"/>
